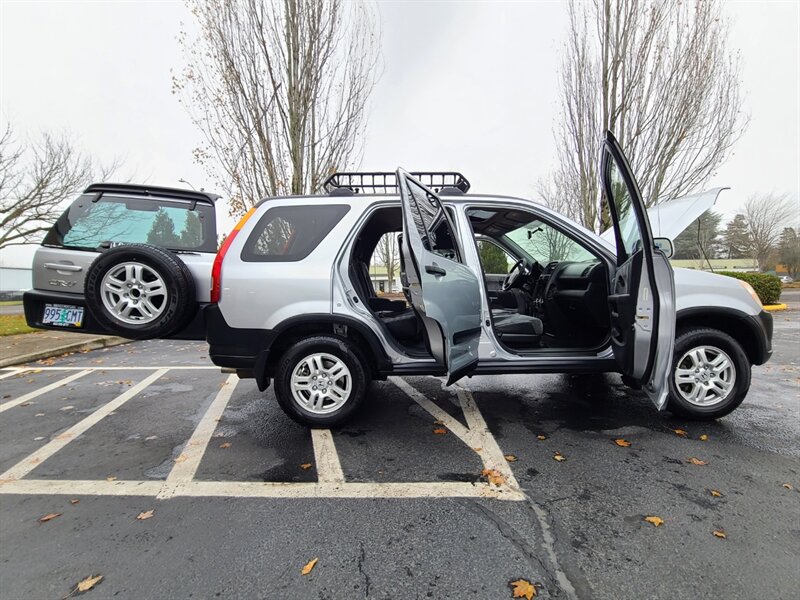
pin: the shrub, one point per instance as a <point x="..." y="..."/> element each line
<point x="768" y="287"/>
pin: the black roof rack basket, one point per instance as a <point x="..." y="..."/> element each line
<point x="386" y="182"/>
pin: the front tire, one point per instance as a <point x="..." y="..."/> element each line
<point x="710" y="374"/>
<point x="321" y="381"/>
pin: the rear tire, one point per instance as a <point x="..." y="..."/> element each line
<point x="321" y="381"/>
<point x="710" y="375"/>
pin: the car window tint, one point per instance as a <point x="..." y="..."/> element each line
<point x="432" y="223"/>
<point x="127" y="220"/>
<point x="290" y="233"/>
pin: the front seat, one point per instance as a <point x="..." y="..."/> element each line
<point x="515" y="329"/>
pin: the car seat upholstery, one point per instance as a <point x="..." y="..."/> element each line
<point x="516" y="329"/>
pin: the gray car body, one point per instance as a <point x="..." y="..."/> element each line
<point x="263" y="296"/>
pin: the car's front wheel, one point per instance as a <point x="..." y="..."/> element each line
<point x="320" y="381"/>
<point x="710" y="374"/>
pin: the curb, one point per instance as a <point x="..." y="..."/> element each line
<point x="90" y="344"/>
<point x="775" y="307"/>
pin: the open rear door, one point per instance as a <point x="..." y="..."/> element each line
<point x="642" y="300"/>
<point x="444" y="291"/>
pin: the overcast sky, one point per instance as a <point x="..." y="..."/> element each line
<point x="466" y="86"/>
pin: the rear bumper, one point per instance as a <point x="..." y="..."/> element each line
<point x="233" y="347"/>
<point x="34" y="302"/>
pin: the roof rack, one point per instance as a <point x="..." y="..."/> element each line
<point x="378" y="182"/>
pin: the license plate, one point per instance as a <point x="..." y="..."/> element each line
<point x="63" y="315"/>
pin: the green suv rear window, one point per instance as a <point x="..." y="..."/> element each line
<point x="290" y="233"/>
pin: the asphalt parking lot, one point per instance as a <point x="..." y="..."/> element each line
<point x="393" y="505"/>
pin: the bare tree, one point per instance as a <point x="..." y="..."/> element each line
<point x="766" y="217"/>
<point x="660" y="76"/>
<point x="279" y="90"/>
<point x="35" y="179"/>
<point x="387" y="255"/>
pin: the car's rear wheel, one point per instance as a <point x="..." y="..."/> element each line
<point x="320" y="381"/>
<point x="710" y="374"/>
<point x="140" y="291"/>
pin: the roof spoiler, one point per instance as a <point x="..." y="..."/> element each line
<point x="151" y="190"/>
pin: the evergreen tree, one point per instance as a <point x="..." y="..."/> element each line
<point x="162" y="233"/>
<point x="789" y="251"/>
<point x="192" y="234"/>
<point x="736" y="239"/>
<point x="700" y="239"/>
<point x="493" y="258"/>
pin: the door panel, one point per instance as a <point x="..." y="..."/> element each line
<point x="444" y="291"/>
<point x="642" y="299"/>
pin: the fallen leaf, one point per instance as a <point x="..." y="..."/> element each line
<point x="510" y="458"/>
<point x="478" y="449"/>
<point x="181" y="458"/>
<point x="697" y="461"/>
<point x="49" y="517"/>
<point x="111" y="478"/>
<point x="788" y="486"/>
<point x="150" y="437"/>
<point x="541" y="437"/>
<point x="656" y="521"/>
<point x="681" y="432"/>
<point x="225" y="445"/>
<point x="440" y="431"/>
<point x="438" y="422"/>
<point x="66" y="408"/>
<point x="37" y="439"/>
<point x="622" y="443"/>
<point x="27" y="403"/>
<point x="494" y="476"/>
<point x="88" y="583"/>
<point x="39" y="415"/>
<point x="144" y="515"/>
<point x="309" y="566"/>
<point x="522" y="588"/>
<point x="74" y="501"/>
<point x="703" y="438"/>
<point x="716" y="493"/>
<point x="719" y="533"/>
<point x="306" y="466"/>
<point x="559" y="457"/>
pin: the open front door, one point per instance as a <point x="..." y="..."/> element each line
<point x="642" y="300"/>
<point x="444" y="291"/>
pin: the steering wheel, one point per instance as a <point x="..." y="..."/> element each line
<point x="514" y="275"/>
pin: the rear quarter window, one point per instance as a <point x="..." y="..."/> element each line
<point x="290" y="233"/>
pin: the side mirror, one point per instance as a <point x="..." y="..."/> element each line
<point x="665" y="245"/>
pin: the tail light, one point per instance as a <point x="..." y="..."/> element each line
<point x="216" y="270"/>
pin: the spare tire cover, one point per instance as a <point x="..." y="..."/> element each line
<point x="140" y="291"/>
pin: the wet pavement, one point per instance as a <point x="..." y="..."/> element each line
<point x="411" y="516"/>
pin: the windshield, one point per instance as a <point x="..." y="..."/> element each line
<point x="545" y="244"/>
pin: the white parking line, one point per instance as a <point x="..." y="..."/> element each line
<point x="189" y="460"/>
<point x="30" y="396"/>
<point x="438" y="413"/>
<point x="12" y="372"/>
<point x="329" y="469"/>
<point x="258" y="489"/>
<point x="29" y="463"/>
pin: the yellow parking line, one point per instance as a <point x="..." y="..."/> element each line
<point x="29" y="463"/>
<point x="30" y="396"/>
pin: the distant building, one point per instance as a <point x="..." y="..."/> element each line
<point x="14" y="281"/>
<point x="380" y="280"/>
<point x="742" y="265"/>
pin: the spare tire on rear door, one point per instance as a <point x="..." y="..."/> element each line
<point x="140" y="291"/>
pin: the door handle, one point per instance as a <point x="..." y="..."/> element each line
<point x="435" y="270"/>
<point x="62" y="267"/>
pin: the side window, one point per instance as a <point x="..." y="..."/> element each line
<point x="494" y="260"/>
<point x="432" y="223"/>
<point x="623" y="207"/>
<point x="290" y="233"/>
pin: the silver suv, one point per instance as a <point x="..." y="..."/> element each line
<point x="490" y="285"/>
